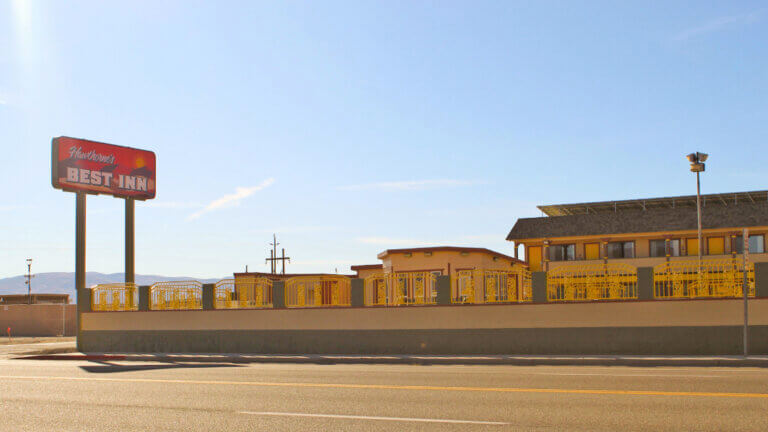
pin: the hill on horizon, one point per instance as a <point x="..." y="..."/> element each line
<point x="64" y="282"/>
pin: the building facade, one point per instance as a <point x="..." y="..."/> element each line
<point x="644" y="232"/>
<point x="440" y="260"/>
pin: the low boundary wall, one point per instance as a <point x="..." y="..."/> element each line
<point x="703" y="327"/>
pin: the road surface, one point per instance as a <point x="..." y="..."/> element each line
<point x="39" y="395"/>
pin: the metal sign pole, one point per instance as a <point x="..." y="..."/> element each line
<point x="79" y="257"/>
<point x="130" y="274"/>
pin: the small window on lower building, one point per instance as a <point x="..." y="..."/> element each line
<point x="562" y="252"/>
<point x="620" y="249"/>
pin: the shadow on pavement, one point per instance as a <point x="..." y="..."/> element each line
<point x="106" y="367"/>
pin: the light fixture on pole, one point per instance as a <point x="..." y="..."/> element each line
<point x="697" y="165"/>
<point x="28" y="282"/>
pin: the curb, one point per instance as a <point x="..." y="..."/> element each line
<point x="761" y="362"/>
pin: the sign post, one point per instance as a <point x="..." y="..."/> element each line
<point x="130" y="273"/>
<point x="90" y="167"/>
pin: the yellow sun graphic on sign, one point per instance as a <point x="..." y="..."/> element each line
<point x="140" y="162"/>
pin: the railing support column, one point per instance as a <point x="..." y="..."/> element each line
<point x="645" y="283"/>
<point x="761" y="279"/>
<point x="443" y="287"/>
<point x="208" y="296"/>
<point x="144" y="297"/>
<point x="357" y="293"/>
<point x="278" y="295"/>
<point x="539" y="286"/>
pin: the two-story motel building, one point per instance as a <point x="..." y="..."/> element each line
<point x="643" y="232"/>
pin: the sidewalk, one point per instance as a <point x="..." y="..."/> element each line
<point x="514" y="360"/>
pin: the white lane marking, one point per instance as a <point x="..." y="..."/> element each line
<point x="355" y="417"/>
<point x="626" y="375"/>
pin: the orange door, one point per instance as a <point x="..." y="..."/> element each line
<point x="592" y="251"/>
<point x="715" y="246"/>
<point x="692" y="246"/>
<point x="534" y="258"/>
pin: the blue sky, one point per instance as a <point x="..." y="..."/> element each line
<point x="351" y="127"/>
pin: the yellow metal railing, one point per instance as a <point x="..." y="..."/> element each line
<point x="115" y="297"/>
<point x="397" y="289"/>
<point x="592" y="282"/>
<point x="317" y="291"/>
<point x="498" y="286"/>
<point x="708" y="278"/>
<point x="176" y="295"/>
<point x="250" y="292"/>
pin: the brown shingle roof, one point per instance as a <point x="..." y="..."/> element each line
<point x="637" y="221"/>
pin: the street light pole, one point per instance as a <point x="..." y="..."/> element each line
<point x="697" y="165"/>
<point x="698" y="212"/>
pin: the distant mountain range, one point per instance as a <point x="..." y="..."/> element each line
<point x="64" y="283"/>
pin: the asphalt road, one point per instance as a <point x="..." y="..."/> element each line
<point x="40" y="395"/>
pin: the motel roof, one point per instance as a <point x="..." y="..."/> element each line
<point x="732" y="210"/>
<point x="446" y="249"/>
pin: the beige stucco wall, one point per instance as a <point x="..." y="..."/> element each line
<point x="607" y="314"/>
<point x="364" y="273"/>
<point x="443" y="260"/>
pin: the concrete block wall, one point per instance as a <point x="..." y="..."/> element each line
<point x="643" y="326"/>
<point x="39" y="319"/>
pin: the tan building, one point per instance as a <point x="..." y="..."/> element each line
<point x="16" y="299"/>
<point x="644" y="232"/>
<point x="441" y="260"/>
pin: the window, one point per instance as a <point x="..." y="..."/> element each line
<point x="620" y="249"/>
<point x="562" y="252"/>
<point x="658" y="248"/>
<point x="756" y="244"/>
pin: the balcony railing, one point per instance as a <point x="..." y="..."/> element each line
<point x="400" y="289"/>
<point x="492" y="286"/>
<point x="588" y="282"/>
<point x="707" y="278"/>
<point x="176" y="295"/>
<point x="317" y="291"/>
<point x="115" y="297"/>
<point x="243" y="293"/>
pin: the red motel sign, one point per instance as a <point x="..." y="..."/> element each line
<point x="88" y="166"/>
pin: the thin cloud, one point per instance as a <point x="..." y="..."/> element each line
<point x="232" y="200"/>
<point x="172" y="204"/>
<point x="410" y="185"/>
<point x="717" y="24"/>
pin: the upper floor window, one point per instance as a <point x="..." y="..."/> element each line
<point x="620" y="249"/>
<point x="658" y="248"/>
<point x="565" y="252"/>
<point x="756" y="244"/>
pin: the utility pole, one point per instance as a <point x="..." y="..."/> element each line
<point x="273" y="258"/>
<point x="28" y="282"/>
